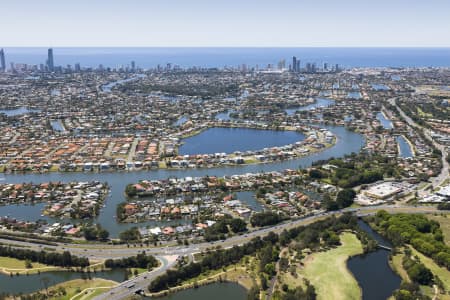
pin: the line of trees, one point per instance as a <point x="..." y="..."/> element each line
<point x="222" y="227"/>
<point x="265" y="248"/>
<point x="423" y="234"/>
<point x="65" y="259"/>
<point x="265" y="218"/>
<point x="140" y="260"/>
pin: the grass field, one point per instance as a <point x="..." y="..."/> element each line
<point x="443" y="273"/>
<point x="445" y="226"/>
<point x="397" y="265"/>
<point x="82" y="289"/>
<point x="327" y="271"/>
<point x="12" y="265"/>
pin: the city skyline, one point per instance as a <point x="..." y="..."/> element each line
<point x="200" y="23"/>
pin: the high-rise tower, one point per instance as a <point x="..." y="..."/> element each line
<point x="50" y="62"/>
<point x="2" y="61"/>
<point x="294" y="64"/>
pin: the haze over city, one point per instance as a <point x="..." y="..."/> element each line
<point x="231" y="23"/>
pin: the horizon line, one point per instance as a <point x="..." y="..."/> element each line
<point x="245" y="46"/>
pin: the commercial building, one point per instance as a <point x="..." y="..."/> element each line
<point x="383" y="191"/>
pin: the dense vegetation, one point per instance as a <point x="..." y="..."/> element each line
<point x="265" y="219"/>
<point x="355" y="169"/>
<point x="444" y="206"/>
<point x="222" y="227"/>
<point x="130" y="235"/>
<point x="94" y="233"/>
<point x="423" y="234"/>
<point x="141" y="260"/>
<point x="416" y="270"/>
<point x="319" y="234"/>
<point x="344" y="199"/>
<point x="65" y="259"/>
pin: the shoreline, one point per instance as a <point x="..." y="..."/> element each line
<point x="215" y="278"/>
<point x="250" y="161"/>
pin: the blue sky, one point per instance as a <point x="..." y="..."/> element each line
<point x="259" y="23"/>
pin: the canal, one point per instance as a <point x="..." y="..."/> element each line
<point x="347" y="142"/>
<point x="385" y="122"/>
<point x="24" y="284"/>
<point x="372" y="271"/>
<point x="216" y="291"/>
<point x="404" y="148"/>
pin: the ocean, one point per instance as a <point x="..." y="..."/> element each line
<point x="220" y="57"/>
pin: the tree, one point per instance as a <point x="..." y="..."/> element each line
<point x="130" y="235"/>
<point x="28" y="264"/>
<point x="345" y="198"/>
<point x="238" y="225"/>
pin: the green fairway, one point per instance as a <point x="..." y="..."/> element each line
<point x="327" y="271"/>
<point x="442" y="272"/>
<point x="444" y="222"/>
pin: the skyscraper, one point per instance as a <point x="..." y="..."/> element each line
<point x="294" y="64"/>
<point x="50" y="63"/>
<point x="2" y="61"/>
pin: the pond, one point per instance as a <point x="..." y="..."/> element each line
<point x="229" y="140"/>
<point x="216" y="291"/>
<point x="372" y="271"/>
<point x="32" y="283"/>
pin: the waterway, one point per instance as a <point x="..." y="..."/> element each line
<point x="57" y="125"/>
<point x="372" y="271"/>
<point x="380" y="87"/>
<point x="18" y="111"/>
<point x="24" y="284"/>
<point x="354" y="95"/>
<point x="347" y="142"/>
<point x="181" y="121"/>
<point x="386" y="123"/>
<point x="229" y="140"/>
<point x="320" y="102"/>
<point x="109" y="86"/>
<point x="405" y="150"/>
<point x="216" y="291"/>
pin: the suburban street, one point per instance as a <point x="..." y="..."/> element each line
<point x="438" y="180"/>
<point x="168" y="255"/>
<point x="101" y="252"/>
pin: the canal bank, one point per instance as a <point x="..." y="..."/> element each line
<point x="373" y="271"/>
<point x="347" y="142"/>
<point x="216" y="291"/>
<point x="26" y="284"/>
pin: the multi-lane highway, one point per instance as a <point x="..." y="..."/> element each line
<point x="138" y="283"/>
<point x="168" y="255"/>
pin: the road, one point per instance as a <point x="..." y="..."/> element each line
<point x="168" y="255"/>
<point x="438" y="180"/>
<point x="101" y="252"/>
<point x="139" y="283"/>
